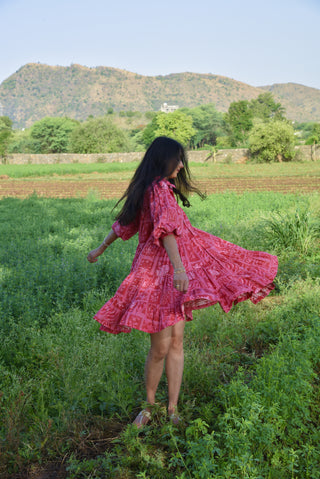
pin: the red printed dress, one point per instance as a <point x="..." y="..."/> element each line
<point x="218" y="271"/>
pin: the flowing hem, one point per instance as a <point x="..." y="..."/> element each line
<point x="202" y="301"/>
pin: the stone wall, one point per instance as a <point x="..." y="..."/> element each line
<point x="308" y="152"/>
<point x="240" y="155"/>
<point x="54" y="158"/>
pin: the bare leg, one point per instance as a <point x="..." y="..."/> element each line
<point x="160" y="343"/>
<point x="168" y="344"/>
<point x="174" y="365"/>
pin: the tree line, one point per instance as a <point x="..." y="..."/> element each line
<point x="259" y="124"/>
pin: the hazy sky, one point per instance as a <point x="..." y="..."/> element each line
<point x="257" y="42"/>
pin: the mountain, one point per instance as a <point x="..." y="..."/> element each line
<point x="302" y="103"/>
<point x="38" y="90"/>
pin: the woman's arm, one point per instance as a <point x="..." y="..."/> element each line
<point x="93" y="255"/>
<point x="180" y="278"/>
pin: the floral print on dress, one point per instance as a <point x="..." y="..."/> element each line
<point x="218" y="271"/>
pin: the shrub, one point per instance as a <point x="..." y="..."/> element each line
<point x="52" y="135"/>
<point x="272" y="141"/>
<point x="294" y="230"/>
<point x="98" y="135"/>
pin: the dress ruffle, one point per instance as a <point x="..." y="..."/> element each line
<point x="165" y="218"/>
<point x="218" y="271"/>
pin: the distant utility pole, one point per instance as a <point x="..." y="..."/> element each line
<point x="1" y="109"/>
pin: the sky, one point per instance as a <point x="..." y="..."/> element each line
<point x="256" y="42"/>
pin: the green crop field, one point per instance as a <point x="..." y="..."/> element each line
<point x="63" y="169"/>
<point x="250" y="398"/>
<point x="111" y="171"/>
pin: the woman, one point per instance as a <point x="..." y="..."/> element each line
<point x="176" y="268"/>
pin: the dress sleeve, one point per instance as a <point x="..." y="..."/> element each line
<point x="164" y="211"/>
<point x="127" y="231"/>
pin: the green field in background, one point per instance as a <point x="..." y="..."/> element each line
<point x="124" y="171"/>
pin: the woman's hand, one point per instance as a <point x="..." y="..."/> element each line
<point x="93" y="255"/>
<point x="180" y="278"/>
<point x="181" y="281"/>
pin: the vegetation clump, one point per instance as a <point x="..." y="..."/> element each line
<point x="272" y="141"/>
<point x="250" y="394"/>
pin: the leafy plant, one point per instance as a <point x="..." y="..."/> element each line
<point x="98" y="135"/>
<point x="272" y="141"/>
<point x="294" y="230"/>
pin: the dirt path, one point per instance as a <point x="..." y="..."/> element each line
<point x="63" y="188"/>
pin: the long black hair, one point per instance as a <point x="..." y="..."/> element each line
<point x="160" y="160"/>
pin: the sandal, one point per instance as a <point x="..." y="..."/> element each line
<point x="142" y="419"/>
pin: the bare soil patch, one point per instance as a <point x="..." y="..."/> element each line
<point x="87" y="442"/>
<point x="64" y="188"/>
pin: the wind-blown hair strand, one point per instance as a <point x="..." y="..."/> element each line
<point x="159" y="161"/>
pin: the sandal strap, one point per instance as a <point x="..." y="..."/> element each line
<point x="175" y="418"/>
<point x="145" y="413"/>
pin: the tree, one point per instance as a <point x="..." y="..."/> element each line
<point x="272" y="141"/>
<point x="52" y="135"/>
<point x="314" y="136"/>
<point x="207" y="122"/>
<point x="137" y="139"/>
<point x="313" y="139"/>
<point x="176" y="125"/>
<point x="239" y="119"/>
<point x="21" y="142"/>
<point x="149" y="132"/>
<point x="5" y="135"/>
<point x="265" y="108"/>
<point x="98" y="135"/>
<point x="303" y="130"/>
<point x="243" y="114"/>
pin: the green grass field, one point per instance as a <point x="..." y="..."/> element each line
<point x="250" y="397"/>
<point x="200" y="170"/>
<point x="73" y="169"/>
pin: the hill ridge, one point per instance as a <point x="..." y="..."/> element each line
<point x="36" y="90"/>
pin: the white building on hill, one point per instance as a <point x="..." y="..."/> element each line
<point x="165" y="108"/>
